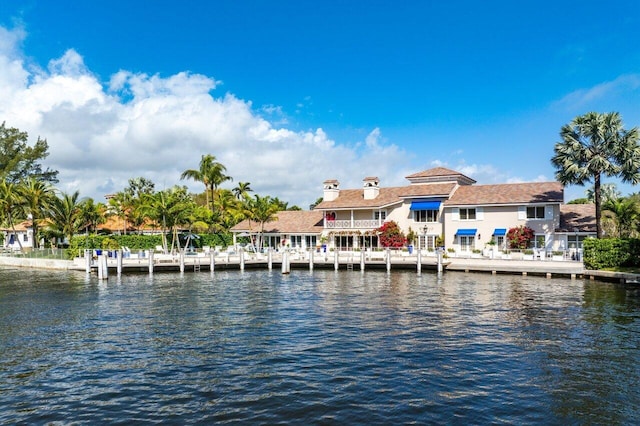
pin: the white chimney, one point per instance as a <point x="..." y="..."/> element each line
<point x="371" y="187"/>
<point x="331" y="190"/>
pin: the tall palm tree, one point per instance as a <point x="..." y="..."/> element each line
<point x="37" y="196"/>
<point x="211" y="173"/>
<point x="595" y="145"/>
<point x="608" y="191"/>
<point x="10" y="204"/>
<point x="65" y="214"/>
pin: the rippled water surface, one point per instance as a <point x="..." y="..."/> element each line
<point x="317" y="347"/>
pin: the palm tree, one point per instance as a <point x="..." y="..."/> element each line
<point x="623" y="214"/>
<point x="65" y="214"/>
<point x="608" y="191"/>
<point x="37" y="196"/>
<point x="170" y="209"/>
<point x="121" y="205"/>
<point x="91" y="214"/>
<point x="241" y="191"/>
<point x="594" y="145"/>
<point x="211" y="173"/>
<point x="262" y="210"/>
<point x="10" y="204"/>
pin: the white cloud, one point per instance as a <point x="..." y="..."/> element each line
<point x="584" y="99"/>
<point x="157" y="127"/>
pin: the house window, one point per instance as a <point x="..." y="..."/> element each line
<point x="296" y="240"/>
<point x="467" y="214"/>
<point x="425" y="215"/>
<point x="311" y="240"/>
<point x="380" y="215"/>
<point x="535" y="212"/>
<point x="574" y="240"/>
<point x="25" y="238"/>
<point x="539" y="241"/>
<point x="467" y="243"/>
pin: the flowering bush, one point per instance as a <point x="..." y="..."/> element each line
<point x="390" y="235"/>
<point x="520" y="237"/>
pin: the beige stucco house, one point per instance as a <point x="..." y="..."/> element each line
<point x="440" y="207"/>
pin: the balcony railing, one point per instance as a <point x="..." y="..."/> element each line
<point x="356" y="224"/>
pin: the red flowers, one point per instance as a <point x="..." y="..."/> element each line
<point x="391" y="236"/>
<point x="520" y="237"/>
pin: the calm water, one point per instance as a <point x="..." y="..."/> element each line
<point x="317" y="348"/>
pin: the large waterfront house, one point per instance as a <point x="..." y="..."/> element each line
<point x="440" y="207"/>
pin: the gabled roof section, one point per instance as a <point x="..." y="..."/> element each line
<point x="577" y="216"/>
<point x="507" y="193"/>
<point x="440" y="174"/>
<point x="289" y="222"/>
<point x="428" y="191"/>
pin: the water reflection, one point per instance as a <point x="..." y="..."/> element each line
<point x="321" y="346"/>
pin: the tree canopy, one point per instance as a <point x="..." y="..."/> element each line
<point x="19" y="161"/>
<point x="596" y="145"/>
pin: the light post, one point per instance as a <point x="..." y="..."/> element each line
<point x="575" y="230"/>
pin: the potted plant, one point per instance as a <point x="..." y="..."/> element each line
<point x="557" y="255"/>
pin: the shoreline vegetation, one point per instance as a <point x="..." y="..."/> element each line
<point x="54" y="218"/>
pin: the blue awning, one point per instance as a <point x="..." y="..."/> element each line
<point x="500" y="232"/>
<point x="469" y="231"/>
<point x="425" y="205"/>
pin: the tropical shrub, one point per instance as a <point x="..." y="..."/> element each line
<point x="611" y="253"/>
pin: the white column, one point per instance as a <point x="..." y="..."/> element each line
<point x="150" y="262"/>
<point x="388" y="260"/>
<point x="119" y="262"/>
<point x="87" y="260"/>
<point x="181" y="260"/>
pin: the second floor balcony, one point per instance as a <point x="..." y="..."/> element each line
<point x="353" y="224"/>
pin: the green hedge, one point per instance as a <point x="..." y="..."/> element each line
<point x="139" y="242"/>
<point x="611" y="253"/>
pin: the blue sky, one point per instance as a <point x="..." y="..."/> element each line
<point x="290" y="93"/>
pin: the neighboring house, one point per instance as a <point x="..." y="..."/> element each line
<point x="23" y="233"/>
<point x="442" y="203"/>
<point x="294" y="229"/>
